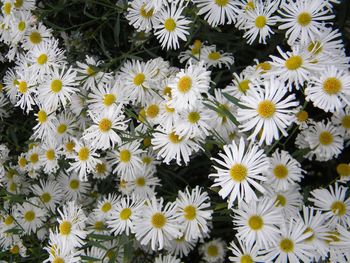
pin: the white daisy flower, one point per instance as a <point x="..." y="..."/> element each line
<point x="213" y="251"/>
<point x="157" y="225"/>
<point x="24" y="5"/>
<point x="334" y="203"/>
<point x="342" y="118"/>
<point x="192" y="55"/>
<point x="301" y="118"/>
<point x="343" y="169"/>
<point x="241" y="167"/>
<point x="171" y="25"/>
<point x="284" y="171"/>
<point x="245" y="252"/>
<point x="102" y="169"/>
<point x="140" y="17"/>
<point x="36" y="35"/>
<point x="152" y="111"/>
<point x="49" y="192"/>
<point x="44" y="128"/>
<point x="64" y="126"/>
<point x="106" y="205"/>
<point x="268" y="110"/>
<point x="330" y="89"/>
<point x="303" y="19"/>
<point x="180" y="247"/>
<point x="214" y="58"/>
<point x="50" y="155"/>
<point x="10" y="82"/>
<point x="72" y="187"/>
<point x="193" y="212"/>
<point x="217" y="12"/>
<point x="188" y="85"/>
<point x="144" y="184"/>
<point x="20" y="26"/>
<point x="33" y="158"/>
<point x="166" y="259"/>
<point x="17" y="247"/>
<point x="257" y="222"/>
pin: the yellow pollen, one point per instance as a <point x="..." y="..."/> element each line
<point x="243" y="86"/>
<point x="90" y="71"/>
<point x="266" y="109"/>
<point x="42" y="116"/>
<point x="56" y="85"/>
<point x="14" y="250"/>
<point x="50" y="155"/>
<point x="338" y="208"/>
<point x="343" y="169"/>
<point x="169" y="24"/>
<point x="332" y="86"/>
<point x="18" y="3"/>
<point x="99" y="225"/>
<point x="8" y="220"/>
<point x="304" y="19"/>
<point x="35" y="37"/>
<point x="21" y="26"/>
<point x="29" y="216"/>
<point x="260" y="22"/>
<point x="238" y="172"/>
<point x="22" y="162"/>
<point x="287" y="245"/>
<point x="326" y="138"/>
<point x="246" y="259"/>
<point x="221" y="2"/>
<point x="152" y="111"/>
<point x="212" y="251"/>
<point x="34" y="158"/>
<point x="345" y="121"/>
<point x="174" y="138"/>
<point x="193" y="117"/>
<point x="139" y="79"/>
<point x="105" y="125"/>
<point x="125" y="214"/>
<point x="312" y="237"/>
<point x="167" y="91"/>
<point x="265" y="66"/>
<point x="147" y="141"/>
<point x="45" y="197"/>
<point x="106" y="207"/>
<point x="42" y="59"/>
<point x="146" y="160"/>
<point x="146" y="14"/>
<point x="100" y="168"/>
<point x="74" y="184"/>
<point x="196" y="47"/>
<point x="158" y="220"/>
<point x="125" y="156"/>
<point x="214" y="56"/>
<point x="184" y="84"/>
<point x="280" y="200"/>
<point x="280" y="171"/>
<point x="61" y="128"/>
<point x="302" y="116"/>
<point x="294" y="62"/>
<point x="70" y="146"/>
<point x="255" y="222"/>
<point x="190" y="212"/>
<point x="13" y="187"/>
<point x="315" y="47"/>
<point x="140" y="181"/>
<point x="249" y="6"/>
<point x="65" y="228"/>
<point x="83" y="154"/>
<point x="22" y="87"/>
<point x="109" y="99"/>
<point x="7" y="8"/>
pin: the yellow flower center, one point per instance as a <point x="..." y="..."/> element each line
<point x="158" y="220"/>
<point x="13" y="187"/>
<point x="56" y="85"/>
<point x="74" y="184"/>
<point x="90" y="71"/>
<point x="312" y="237"/>
<point x="109" y="99"/>
<point x="345" y="121"/>
<point x="338" y="208"/>
<point x="106" y="207"/>
<point x="266" y="109"/>
<point x="265" y="66"/>
<point x="193" y="117"/>
<point x="212" y="250"/>
<point x="34" y="158"/>
<point x="146" y="14"/>
<point x="140" y="181"/>
<point x="22" y="162"/>
<point x="8" y="220"/>
<point x="125" y="156"/>
<point x="22" y="87"/>
<point x="42" y="116"/>
<point x="99" y="225"/>
<point x="238" y="172"/>
<point x="246" y="259"/>
<point x="167" y="91"/>
<point x="45" y="197"/>
<point x="249" y="6"/>
<point x="255" y="222"/>
<point x="260" y="22"/>
<point x="147" y="141"/>
<point x="83" y="154"/>
<point x="50" y="155"/>
<point x="65" y="228"/>
<point x="332" y="86"/>
<point x="14" y="250"/>
<point x="70" y="146"/>
<point x="152" y="111"/>
<point x="21" y="26"/>
<point x="190" y="212"/>
<point x="125" y="214"/>
<point x="287" y="245"/>
<point x="7" y="8"/>
<point x="174" y="138"/>
<point x="42" y="59"/>
<point x="294" y="62"/>
<point x="304" y="19"/>
<point x="139" y="79"/>
<point x="184" y="84"/>
<point x="146" y="160"/>
<point x="243" y="86"/>
<point x="302" y="116"/>
<point x="18" y="3"/>
<point x="280" y="200"/>
<point x="214" y="56"/>
<point x="62" y="128"/>
<point x="100" y="168"/>
<point x="196" y="47"/>
<point x="326" y="138"/>
<point x="35" y="37"/>
<point x="221" y="2"/>
<point x="29" y="216"/>
<point x="315" y="47"/>
<point x="280" y="171"/>
<point x="169" y="24"/>
<point x="343" y="169"/>
<point x="105" y="125"/>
